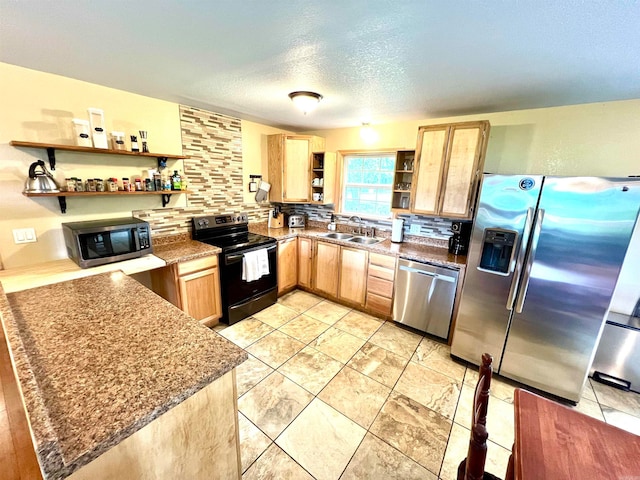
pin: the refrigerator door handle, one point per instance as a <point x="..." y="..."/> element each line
<point x="519" y="260"/>
<point x="522" y="294"/>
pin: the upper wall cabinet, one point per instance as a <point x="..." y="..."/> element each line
<point x="290" y="167"/>
<point x="449" y="161"/>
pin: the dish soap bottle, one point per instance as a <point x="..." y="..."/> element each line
<point x="176" y="181"/>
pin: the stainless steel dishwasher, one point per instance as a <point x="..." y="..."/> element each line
<point x="424" y="296"/>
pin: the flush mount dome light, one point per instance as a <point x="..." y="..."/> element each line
<point x="305" y="101"/>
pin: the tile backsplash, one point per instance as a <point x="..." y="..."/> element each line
<point x="432" y="227"/>
<point x="212" y="143"/>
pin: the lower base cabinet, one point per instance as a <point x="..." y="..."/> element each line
<point x="353" y="275"/>
<point x="193" y="286"/>
<point x="380" y="280"/>
<point x="287" y="265"/>
<point x="327" y="271"/>
<point x="305" y="261"/>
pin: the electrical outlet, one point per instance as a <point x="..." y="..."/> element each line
<point x="414" y="229"/>
<point x="24" y="235"/>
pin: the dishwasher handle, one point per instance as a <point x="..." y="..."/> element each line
<point x="427" y="273"/>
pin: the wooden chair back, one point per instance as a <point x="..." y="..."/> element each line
<point x="472" y="467"/>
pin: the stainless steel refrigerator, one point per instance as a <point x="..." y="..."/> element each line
<point x="543" y="262"/>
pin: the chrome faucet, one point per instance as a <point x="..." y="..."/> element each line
<point x="358" y="221"/>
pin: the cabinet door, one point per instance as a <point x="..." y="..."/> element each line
<point x="353" y="275"/>
<point x="200" y="295"/>
<point x="427" y="179"/>
<point x="327" y="261"/>
<point x="465" y="158"/>
<point x="296" y="167"/>
<point x="287" y="264"/>
<point x="305" y="254"/>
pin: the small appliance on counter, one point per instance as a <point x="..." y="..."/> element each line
<point x="397" y="227"/>
<point x="276" y="218"/>
<point x="98" y="242"/>
<point x="296" y="221"/>
<point x="459" y="241"/>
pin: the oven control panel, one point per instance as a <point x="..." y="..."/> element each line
<point x="212" y="221"/>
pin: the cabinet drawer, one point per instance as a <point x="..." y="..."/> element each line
<point x="379" y="304"/>
<point x="381" y="272"/>
<point x="191" y="266"/>
<point x="382" y="260"/>
<point x="379" y="286"/>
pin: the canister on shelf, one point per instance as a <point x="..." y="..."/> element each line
<point x="125" y="184"/>
<point x="138" y="184"/>
<point x="117" y="141"/>
<point x="81" y="129"/>
<point x="79" y="185"/>
<point x="112" y="184"/>
<point x="157" y="181"/>
<point x="148" y="185"/>
<point x="71" y="184"/>
<point x="91" y="185"/>
<point x="99" y="185"/>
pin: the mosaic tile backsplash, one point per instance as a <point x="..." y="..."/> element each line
<point x="212" y="143"/>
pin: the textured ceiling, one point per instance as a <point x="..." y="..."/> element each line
<point x="375" y="61"/>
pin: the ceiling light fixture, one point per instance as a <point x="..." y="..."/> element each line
<point x="305" y="101"/>
<point x="368" y="134"/>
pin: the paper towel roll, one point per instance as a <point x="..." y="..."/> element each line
<point x="396" y="230"/>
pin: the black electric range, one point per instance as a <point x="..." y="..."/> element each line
<point x="239" y="298"/>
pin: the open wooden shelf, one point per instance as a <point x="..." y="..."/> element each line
<point x="62" y="196"/>
<point x="104" y="151"/>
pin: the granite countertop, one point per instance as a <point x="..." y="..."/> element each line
<point x="180" y="248"/>
<point x="100" y="357"/>
<point x="421" y="252"/>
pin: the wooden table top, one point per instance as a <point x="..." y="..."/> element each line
<point x="554" y="442"/>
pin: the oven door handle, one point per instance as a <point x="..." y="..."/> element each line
<point x="234" y="258"/>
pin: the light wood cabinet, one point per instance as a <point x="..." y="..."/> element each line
<point x="353" y="275"/>
<point x="290" y="158"/>
<point x="449" y="161"/>
<point x="287" y="264"/>
<point x="380" y="281"/>
<point x="323" y="178"/>
<point x="305" y="261"/>
<point x="402" y="181"/>
<point x="327" y="268"/>
<point x="193" y="286"/>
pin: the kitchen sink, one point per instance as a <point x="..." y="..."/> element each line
<point x="365" y="240"/>
<point x="337" y="236"/>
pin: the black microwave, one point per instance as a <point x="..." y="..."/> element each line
<point x="97" y="242"/>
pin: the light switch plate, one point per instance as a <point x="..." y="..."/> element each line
<point x="414" y="228"/>
<point x="24" y="235"/>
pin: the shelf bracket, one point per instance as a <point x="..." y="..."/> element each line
<point x="165" y="199"/>
<point x="51" y="153"/>
<point x="162" y="163"/>
<point x="63" y="204"/>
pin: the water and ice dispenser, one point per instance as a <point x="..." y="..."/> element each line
<point x="498" y="248"/>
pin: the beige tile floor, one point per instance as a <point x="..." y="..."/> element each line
<point x="331" y="393"/>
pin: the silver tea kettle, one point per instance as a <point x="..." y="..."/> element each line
<point x="40" y="182"/>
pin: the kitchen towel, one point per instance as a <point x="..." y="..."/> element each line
<point x="255" y="264"/>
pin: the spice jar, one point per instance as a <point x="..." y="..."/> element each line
<point x="79" y="185"/>
<point x="148" y="185"/>
<point x="125" y="184"/>
<point x="138" y="185"/>
<point x="91" y="185"/>
<point x="112" y="184"/>
<point x="71" y="184"/>
<point x="99" y="185"/>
